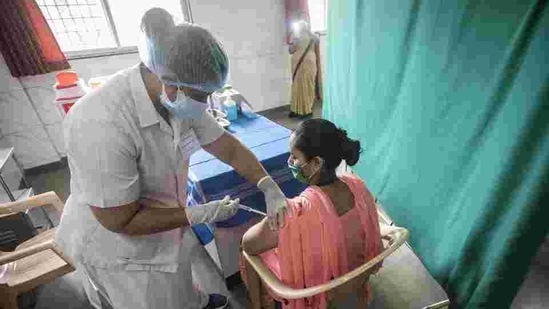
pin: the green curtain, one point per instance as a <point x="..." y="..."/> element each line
<point x="450" y="100"/>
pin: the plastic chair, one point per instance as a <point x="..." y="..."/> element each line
<point x="352" y="282"/>
<point x="36" y="261"/>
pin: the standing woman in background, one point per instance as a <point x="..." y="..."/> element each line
<point x="306" y="71"/>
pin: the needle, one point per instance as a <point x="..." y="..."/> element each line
<point x="246" y="208"/>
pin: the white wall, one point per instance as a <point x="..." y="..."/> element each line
<point x="252" y="32"/>
<point x="21" y="127"/>
<point x="29" y="119"/>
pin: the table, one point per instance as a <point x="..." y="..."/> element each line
<point x="211" y="179"/>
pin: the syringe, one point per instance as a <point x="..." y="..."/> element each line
<point x="246" y="208"/>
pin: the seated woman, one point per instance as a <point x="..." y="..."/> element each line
<point x="330" y="229"/>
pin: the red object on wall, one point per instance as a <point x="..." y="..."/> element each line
<point x="66" y="79"/>
<point x="68" y="89"/>
<point x="26" y="40"/>
<point x="67" y="107"/>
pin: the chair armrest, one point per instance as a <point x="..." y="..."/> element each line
<point x="386" y="230"/>
<point x="276" y="285"/>
<point x="48" y="198"/>
<point x="397" y="236"/>
<point x="19" y="253"/>
<point x="43" y="237"/>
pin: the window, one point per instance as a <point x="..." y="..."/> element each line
<point x="317" y="14"/>
<point x="85" y="27"/>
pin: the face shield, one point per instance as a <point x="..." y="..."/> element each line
<point x="183" y="54"/>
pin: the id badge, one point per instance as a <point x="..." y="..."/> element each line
<point x="189" y="143"/>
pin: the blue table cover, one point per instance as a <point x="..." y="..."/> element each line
<point x="211" y="179"/>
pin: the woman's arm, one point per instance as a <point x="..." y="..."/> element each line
<point x="291" y="48"/>
<point x="293" y="45"/>
<point x="259" y="238"/>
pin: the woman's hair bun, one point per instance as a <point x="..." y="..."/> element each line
<point x="322" y="138"/>
<point x="350" y="149"/>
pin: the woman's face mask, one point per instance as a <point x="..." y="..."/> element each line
<point x="182" y="107"/>
<point x="297" y="172"/>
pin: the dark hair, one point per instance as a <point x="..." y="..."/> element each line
<point x="319" y="137"/>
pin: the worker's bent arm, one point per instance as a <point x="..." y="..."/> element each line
<point x="136" y="220"/>
<point x="230" y="150"/>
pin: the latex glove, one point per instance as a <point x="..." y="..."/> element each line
<point x="213" y="211"/>
<point x="276" y="202"/>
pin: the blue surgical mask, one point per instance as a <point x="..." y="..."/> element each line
<point x="183" y="107"/>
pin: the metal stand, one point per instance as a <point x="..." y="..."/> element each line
<point x="7" y="189"/>
<point x="25" y="182"/>
<point x="27" y="185"/>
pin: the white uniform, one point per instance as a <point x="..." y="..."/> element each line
<point x="121" y="150"/>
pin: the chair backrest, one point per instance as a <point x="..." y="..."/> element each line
<point x="396" y="236"/>
<point x="37" y="244"/>
<point x="36" y="261"/>
<point x="15" y="229"/>
<point x="40" y="242"/>
<point x="41" y="200"/>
